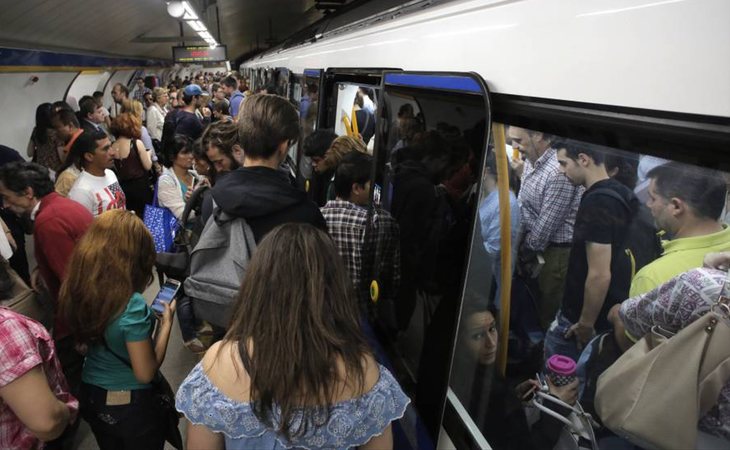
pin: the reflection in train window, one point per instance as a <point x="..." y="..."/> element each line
<point x="586" y="224"/>
<point x="426" y="179"/>
<point x="309" y="105"/>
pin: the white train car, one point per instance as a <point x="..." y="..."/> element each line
<point x="648" y="80"/>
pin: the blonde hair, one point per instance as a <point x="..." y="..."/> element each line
<point x="113" y="260"/>
<point x="157" y="93"/>
<point x="133" y="107"/>
<point x="341" y="146"/>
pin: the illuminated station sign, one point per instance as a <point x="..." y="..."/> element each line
<point x="198" y="54"/>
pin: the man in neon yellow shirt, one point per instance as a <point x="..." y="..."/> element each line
<point x="686" y="203"/>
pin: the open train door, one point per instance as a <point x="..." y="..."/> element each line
<point x="427" y="274"/>
<point x="339" y="91"/>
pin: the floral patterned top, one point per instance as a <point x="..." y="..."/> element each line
<point x="351" y="422"/>
<point x="47" y="154"/>
<point x="673" y="306"/>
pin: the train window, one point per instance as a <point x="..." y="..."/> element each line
<point x="280" y="82"/>
<point x="309" y="102"/>
<point x="424" y="196"/>
<point x="570" y="202"/>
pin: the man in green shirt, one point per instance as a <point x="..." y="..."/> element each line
<point x="686" y="203"/>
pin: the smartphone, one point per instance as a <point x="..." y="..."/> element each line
<point x="166" y="295"/>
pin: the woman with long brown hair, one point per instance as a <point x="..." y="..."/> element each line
<point x="294" y="368"/>
<point x="102" y="303"/>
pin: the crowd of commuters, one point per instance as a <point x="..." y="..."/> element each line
<point x="85" y="193"/>
<point x="294" y="366"/>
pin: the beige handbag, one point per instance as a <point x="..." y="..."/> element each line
<point x="26" y="301"/>
<point x="657" y="391"/>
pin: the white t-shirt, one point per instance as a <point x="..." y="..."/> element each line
<point x="98" y="194"/>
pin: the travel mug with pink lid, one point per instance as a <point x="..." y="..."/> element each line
<point x="560" y="369"/>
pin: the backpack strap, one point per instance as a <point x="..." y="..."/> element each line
<point x="193" y="201"/>
<point x="613" y="194"/>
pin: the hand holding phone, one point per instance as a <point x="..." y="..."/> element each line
<point x="167" y="294"/>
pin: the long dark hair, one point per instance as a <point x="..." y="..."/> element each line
<point x="43" y="114"/>
<point x="294" y="328"/>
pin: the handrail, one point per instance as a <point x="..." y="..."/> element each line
<point x="505" y="234"/>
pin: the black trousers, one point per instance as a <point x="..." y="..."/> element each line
<point x="139" y="425"/>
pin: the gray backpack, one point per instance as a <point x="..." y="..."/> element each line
<point x="217" y="267"/>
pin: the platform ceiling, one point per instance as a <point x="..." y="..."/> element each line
<point x="111" y="26"/>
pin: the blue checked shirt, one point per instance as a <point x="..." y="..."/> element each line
<point x="549" y="203"/>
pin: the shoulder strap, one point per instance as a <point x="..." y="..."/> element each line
<point x="613" y="194"/>
<point x="192" y="202"/>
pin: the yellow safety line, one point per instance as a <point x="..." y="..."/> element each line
<point x="505" y="234"/>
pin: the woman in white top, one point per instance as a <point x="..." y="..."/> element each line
<point x="157" y="112"/>
<point x="177" y="181"/>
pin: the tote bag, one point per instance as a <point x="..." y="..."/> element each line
<point x="656" y="392"/>
<point x="162" y="224"/>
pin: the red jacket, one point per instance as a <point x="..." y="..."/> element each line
<point x="59" y="224"/>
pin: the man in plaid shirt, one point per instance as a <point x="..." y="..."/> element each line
<point x="549" y="205"/>
<point x="140" y="90"/>
<point x="367" y="253"/>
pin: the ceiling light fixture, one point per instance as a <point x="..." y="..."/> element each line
<point x="184" y="11"/>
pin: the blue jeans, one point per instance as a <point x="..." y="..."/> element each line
<point x="555" y="341"/>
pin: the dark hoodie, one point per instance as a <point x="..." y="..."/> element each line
<point x="606" y="212"/>
<point x="265" y="198"/>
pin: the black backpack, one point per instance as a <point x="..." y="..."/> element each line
<point x="642" y="244"/>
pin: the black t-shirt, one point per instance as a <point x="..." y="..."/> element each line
<point x="601" y="219"/>
<point x="189" y="124"/>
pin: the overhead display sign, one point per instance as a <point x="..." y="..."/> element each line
<point x="198" y="54"/>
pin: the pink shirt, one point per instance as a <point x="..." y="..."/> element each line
<point x="25" y="344"/>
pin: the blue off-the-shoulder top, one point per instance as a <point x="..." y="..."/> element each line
<point x="351" y="422"/>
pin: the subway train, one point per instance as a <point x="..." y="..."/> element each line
<point x="648" y="81"/>
<point x="644" y="81"/>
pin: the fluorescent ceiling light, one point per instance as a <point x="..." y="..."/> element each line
<point x="189" y="12"/>
<point x="197" y="25"/>
<point x="184" y="11"/>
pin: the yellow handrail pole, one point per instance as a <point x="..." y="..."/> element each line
<point x="348" y="124"/>
<point x="355" y="130"/>
<point x="505" y="227"/>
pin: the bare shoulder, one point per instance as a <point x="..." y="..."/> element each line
<point x="223" y="367"/>
<point x="372" y="372"/>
